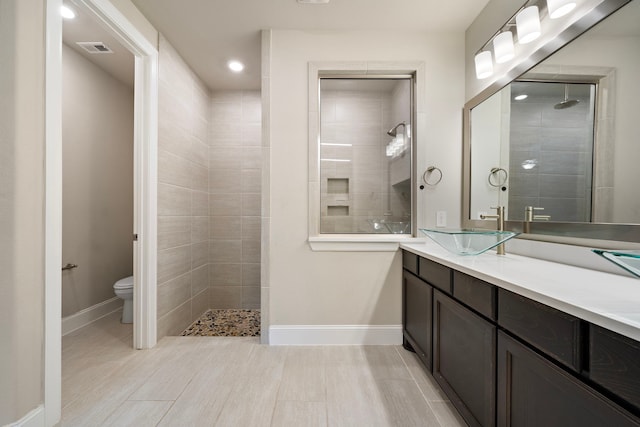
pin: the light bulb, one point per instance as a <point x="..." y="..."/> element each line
<point x="528" y="24"/>
<point x="484" y="65"/>
<point x="559" y="8"/>
<point x="503" y="47"/>
<point x="236" y="66"/>
<point x="66" y="12"/>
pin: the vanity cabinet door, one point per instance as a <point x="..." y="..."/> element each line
<point x="417" y="320"/>
<point x="554" y="332"/>
<point x="477" y="294"/>
<point x="534" y="392"/>
<point x="464" y="362"/>
<point x="436" y="274"/>
<point x="615" y="363"/>
<point x="410" y="261"/>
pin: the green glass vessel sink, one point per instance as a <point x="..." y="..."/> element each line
<point x="468" y="242"/>
<point x="629" y="260"/>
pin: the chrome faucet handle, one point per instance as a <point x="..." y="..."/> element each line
<point x="529" y="216"/>
<point x="499" y="217"/>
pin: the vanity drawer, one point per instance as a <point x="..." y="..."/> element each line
<point x="410" y="261"/>
<point x="436" y="274"/>
<point x="553" y="332"/>
<point x="476" y="293"/>
<point x="614" y="363"/>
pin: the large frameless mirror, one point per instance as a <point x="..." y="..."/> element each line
<point x="365" y="153"/>
<point x="557" y="146"/>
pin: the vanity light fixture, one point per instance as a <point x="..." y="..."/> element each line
<point x="520" y="97"/>
<point x="235" y="66"/>
<point x="484" y="64"/>
<point x="528" y="24"/>
<point x="503" y="48"/>
<point x="335" y="144"/>
<point x="66" y="12"/>
<point x="335" y="160"/>
<point x="559" y="8"/>
<point x="528" y="28"/>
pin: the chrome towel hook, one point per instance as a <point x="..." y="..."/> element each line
<point x="427" y="174"/>
<point x="500" y="178"/>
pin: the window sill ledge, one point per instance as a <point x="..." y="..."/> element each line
<point x="364" y="243"/>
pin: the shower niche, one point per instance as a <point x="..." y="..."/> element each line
<point x="365" y="150"/>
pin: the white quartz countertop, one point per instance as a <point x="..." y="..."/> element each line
<point x="605" y="299"/>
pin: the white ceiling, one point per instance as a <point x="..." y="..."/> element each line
<point x="208" y="33"/>
<point x="119" y="64"/>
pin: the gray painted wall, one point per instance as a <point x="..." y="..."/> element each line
<point x="21" y="207"/>
<point x="97" y="144"/>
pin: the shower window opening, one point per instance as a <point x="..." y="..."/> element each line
<point x="365" y="148"/>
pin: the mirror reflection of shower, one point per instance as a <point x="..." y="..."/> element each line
<point x="551" y="146"/>
<point x="567" y="103"/>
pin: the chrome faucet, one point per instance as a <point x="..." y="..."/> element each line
<point x="500" y="222"/>
<point x="529" y="217"/>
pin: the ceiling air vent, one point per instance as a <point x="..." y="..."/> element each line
<point x="94" y="47"/>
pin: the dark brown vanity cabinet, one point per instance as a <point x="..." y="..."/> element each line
<point x="464" y="359"/>
<point x="417" y="297"/>
<point x="615" y="363"/>
<point x="436" y="274"/>
<point x="534" y="392"/>
<point x="556" y="333"/>
<point x="475" y="293"/>
<point x="507" y="360"/>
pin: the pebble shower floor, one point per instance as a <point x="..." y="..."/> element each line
<point x="225" y="323"/>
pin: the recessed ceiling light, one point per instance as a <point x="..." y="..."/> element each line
<point x="66" y="12"/>
<point x="313" y="1"/>
<point x="235" y="66"/>
<point x="520" y="97"/>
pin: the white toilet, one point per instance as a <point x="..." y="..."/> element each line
<point x="124" y="289"/>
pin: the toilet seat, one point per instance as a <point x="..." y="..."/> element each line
<point x="124" y="284"/>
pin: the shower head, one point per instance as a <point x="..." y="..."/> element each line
<point x="393" y="132"/>
<point x="567" y="103"/>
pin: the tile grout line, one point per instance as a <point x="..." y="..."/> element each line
<point x="418" y="386"/>
<point x="275" y="403"/>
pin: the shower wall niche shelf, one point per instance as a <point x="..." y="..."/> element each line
<point x="337" y="210"/>
<point x="337" y="185"/>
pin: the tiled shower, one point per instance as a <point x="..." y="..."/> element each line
<point x="209" y="186"/>
<point x="235" y="162"/>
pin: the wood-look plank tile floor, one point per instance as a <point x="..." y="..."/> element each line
<point x="236" y="381"/>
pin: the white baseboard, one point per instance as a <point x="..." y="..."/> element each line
<point x="335" y="335"/>
<point x="35" y="418"/>
<point x="91" y="314"/>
